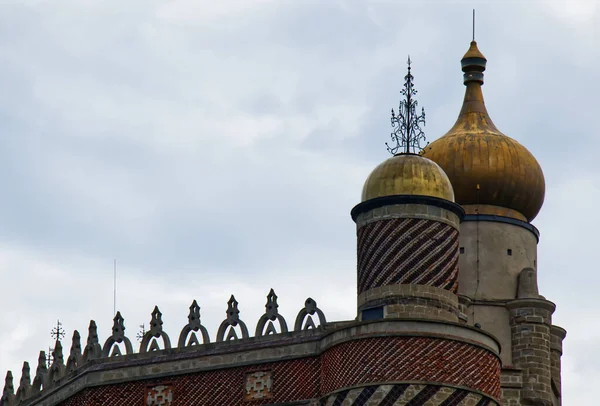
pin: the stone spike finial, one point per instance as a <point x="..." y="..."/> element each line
<point x="57" y="354"/>
<point x="271" y="306"/>
<point x="42" y="366"/>
<point x="24" y="389"/>
<point x="92" y="349"/>
<point x="156" y="322"/>
<point x="92" y="333"/>
<point x="194" y="316"/>
<point x="8" y="394"/>
<point x="41" y="374"/>
<point x="76" y="344"/>
<point x="25" y="375"/>
<point x="58" y="366"/>
<point x="233" y="313"/>
<point x="271" y="314"/>
<point x="118" y="325"/>
<point x="156" y="331"/>
<point x="75" y="353"/>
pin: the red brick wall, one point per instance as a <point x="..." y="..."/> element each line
<point x="407" y="251"/>
<point x="357" y="362"/>
<point x="387" y="359"/>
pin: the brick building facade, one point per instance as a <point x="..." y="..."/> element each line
<point x="448" y="313"/>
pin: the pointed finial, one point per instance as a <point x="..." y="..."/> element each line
<point x="407" y="134"/>
<point x="156" y="322"/>
<point x="473" y="64"/>
<point x="473" y="25"/>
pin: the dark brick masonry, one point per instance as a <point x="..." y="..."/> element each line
<point x="407" y="251"/>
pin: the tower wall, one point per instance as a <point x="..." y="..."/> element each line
<point x="530" y="323"/>
<point x="408" y="262"/>
<point x="492" y="256"/>
<point x="556" y="349"/>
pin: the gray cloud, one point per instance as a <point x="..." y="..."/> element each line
<point x="219" y="150"/>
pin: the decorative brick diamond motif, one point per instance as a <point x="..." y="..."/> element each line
<point x="159" y="395"/>
<point x="259" y="385"/>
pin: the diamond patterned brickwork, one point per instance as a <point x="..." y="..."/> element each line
<point x="410" y="359"/>
<point x="291" y="380"/>
<point x="355" y="363"/>
<point x="407" y="251"/>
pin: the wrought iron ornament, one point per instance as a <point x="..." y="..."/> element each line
<point x="58" y="332"/>
<point x="407" y="134"/>
<point x="140" y="335"/>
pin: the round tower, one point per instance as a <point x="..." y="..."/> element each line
<point x="411" y="341"/>
<point x="501" y="187"/>
<point x="407" y="230"/>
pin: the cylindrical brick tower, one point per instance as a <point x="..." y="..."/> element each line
<point x="410" y="344"/>
<point x="407" y="241"/>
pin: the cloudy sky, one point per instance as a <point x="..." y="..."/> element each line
<point x="218" y="147"/>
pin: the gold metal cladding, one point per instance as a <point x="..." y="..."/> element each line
<point x="493" y="211"/>
<point x="408" y="174"/>
<point x="473" y="52"/>
<point x="485" y="166"/>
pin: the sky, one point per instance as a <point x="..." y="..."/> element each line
<point x="217" y="148"/>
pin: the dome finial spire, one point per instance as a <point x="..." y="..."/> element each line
<point x="407" y="134"/>
<point x="473" y="26"/>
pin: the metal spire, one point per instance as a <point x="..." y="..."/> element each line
<point x="407" y="134"/>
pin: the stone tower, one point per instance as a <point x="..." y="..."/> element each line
<point x="408" y="227"/>
<point x="500" y="186"/>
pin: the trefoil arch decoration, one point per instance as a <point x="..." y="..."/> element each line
<point x="232" y="320"/>
<point x="156" y="331"/>
<point x="271" y="314"/>
<point x="304" y="320"/>
<point x="194" y="325"/>
<point x="117" y="337"/>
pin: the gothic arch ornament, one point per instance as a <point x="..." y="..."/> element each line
<point x="232" y="320"/>
<point x="24" y="390"/>
<point x="194" y="325"/>
<point x="57" y="368"/>
<point x="271" y="314"/>
<point x="8" y="394"/>
<point x="92" y="349"/>
<point x="40" y="381"/>
<point x="310" y="308"/>
<point x="75" y="354"/>
<point x="156" y="331"/>
<point x="118" y="336"/>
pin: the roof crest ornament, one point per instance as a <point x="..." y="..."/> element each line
<point x="117" y="337"/>
<point x="407" y="134"/>
<point x="194" y="325"/>
<point x="156" y="331"/>
<point x="232" y="320"/>
<point x="271" y="314"/>
<point x="304" y="319"/>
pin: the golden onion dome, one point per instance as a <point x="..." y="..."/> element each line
<point x="408" y="174"/>
<point x="491" y="172"/>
